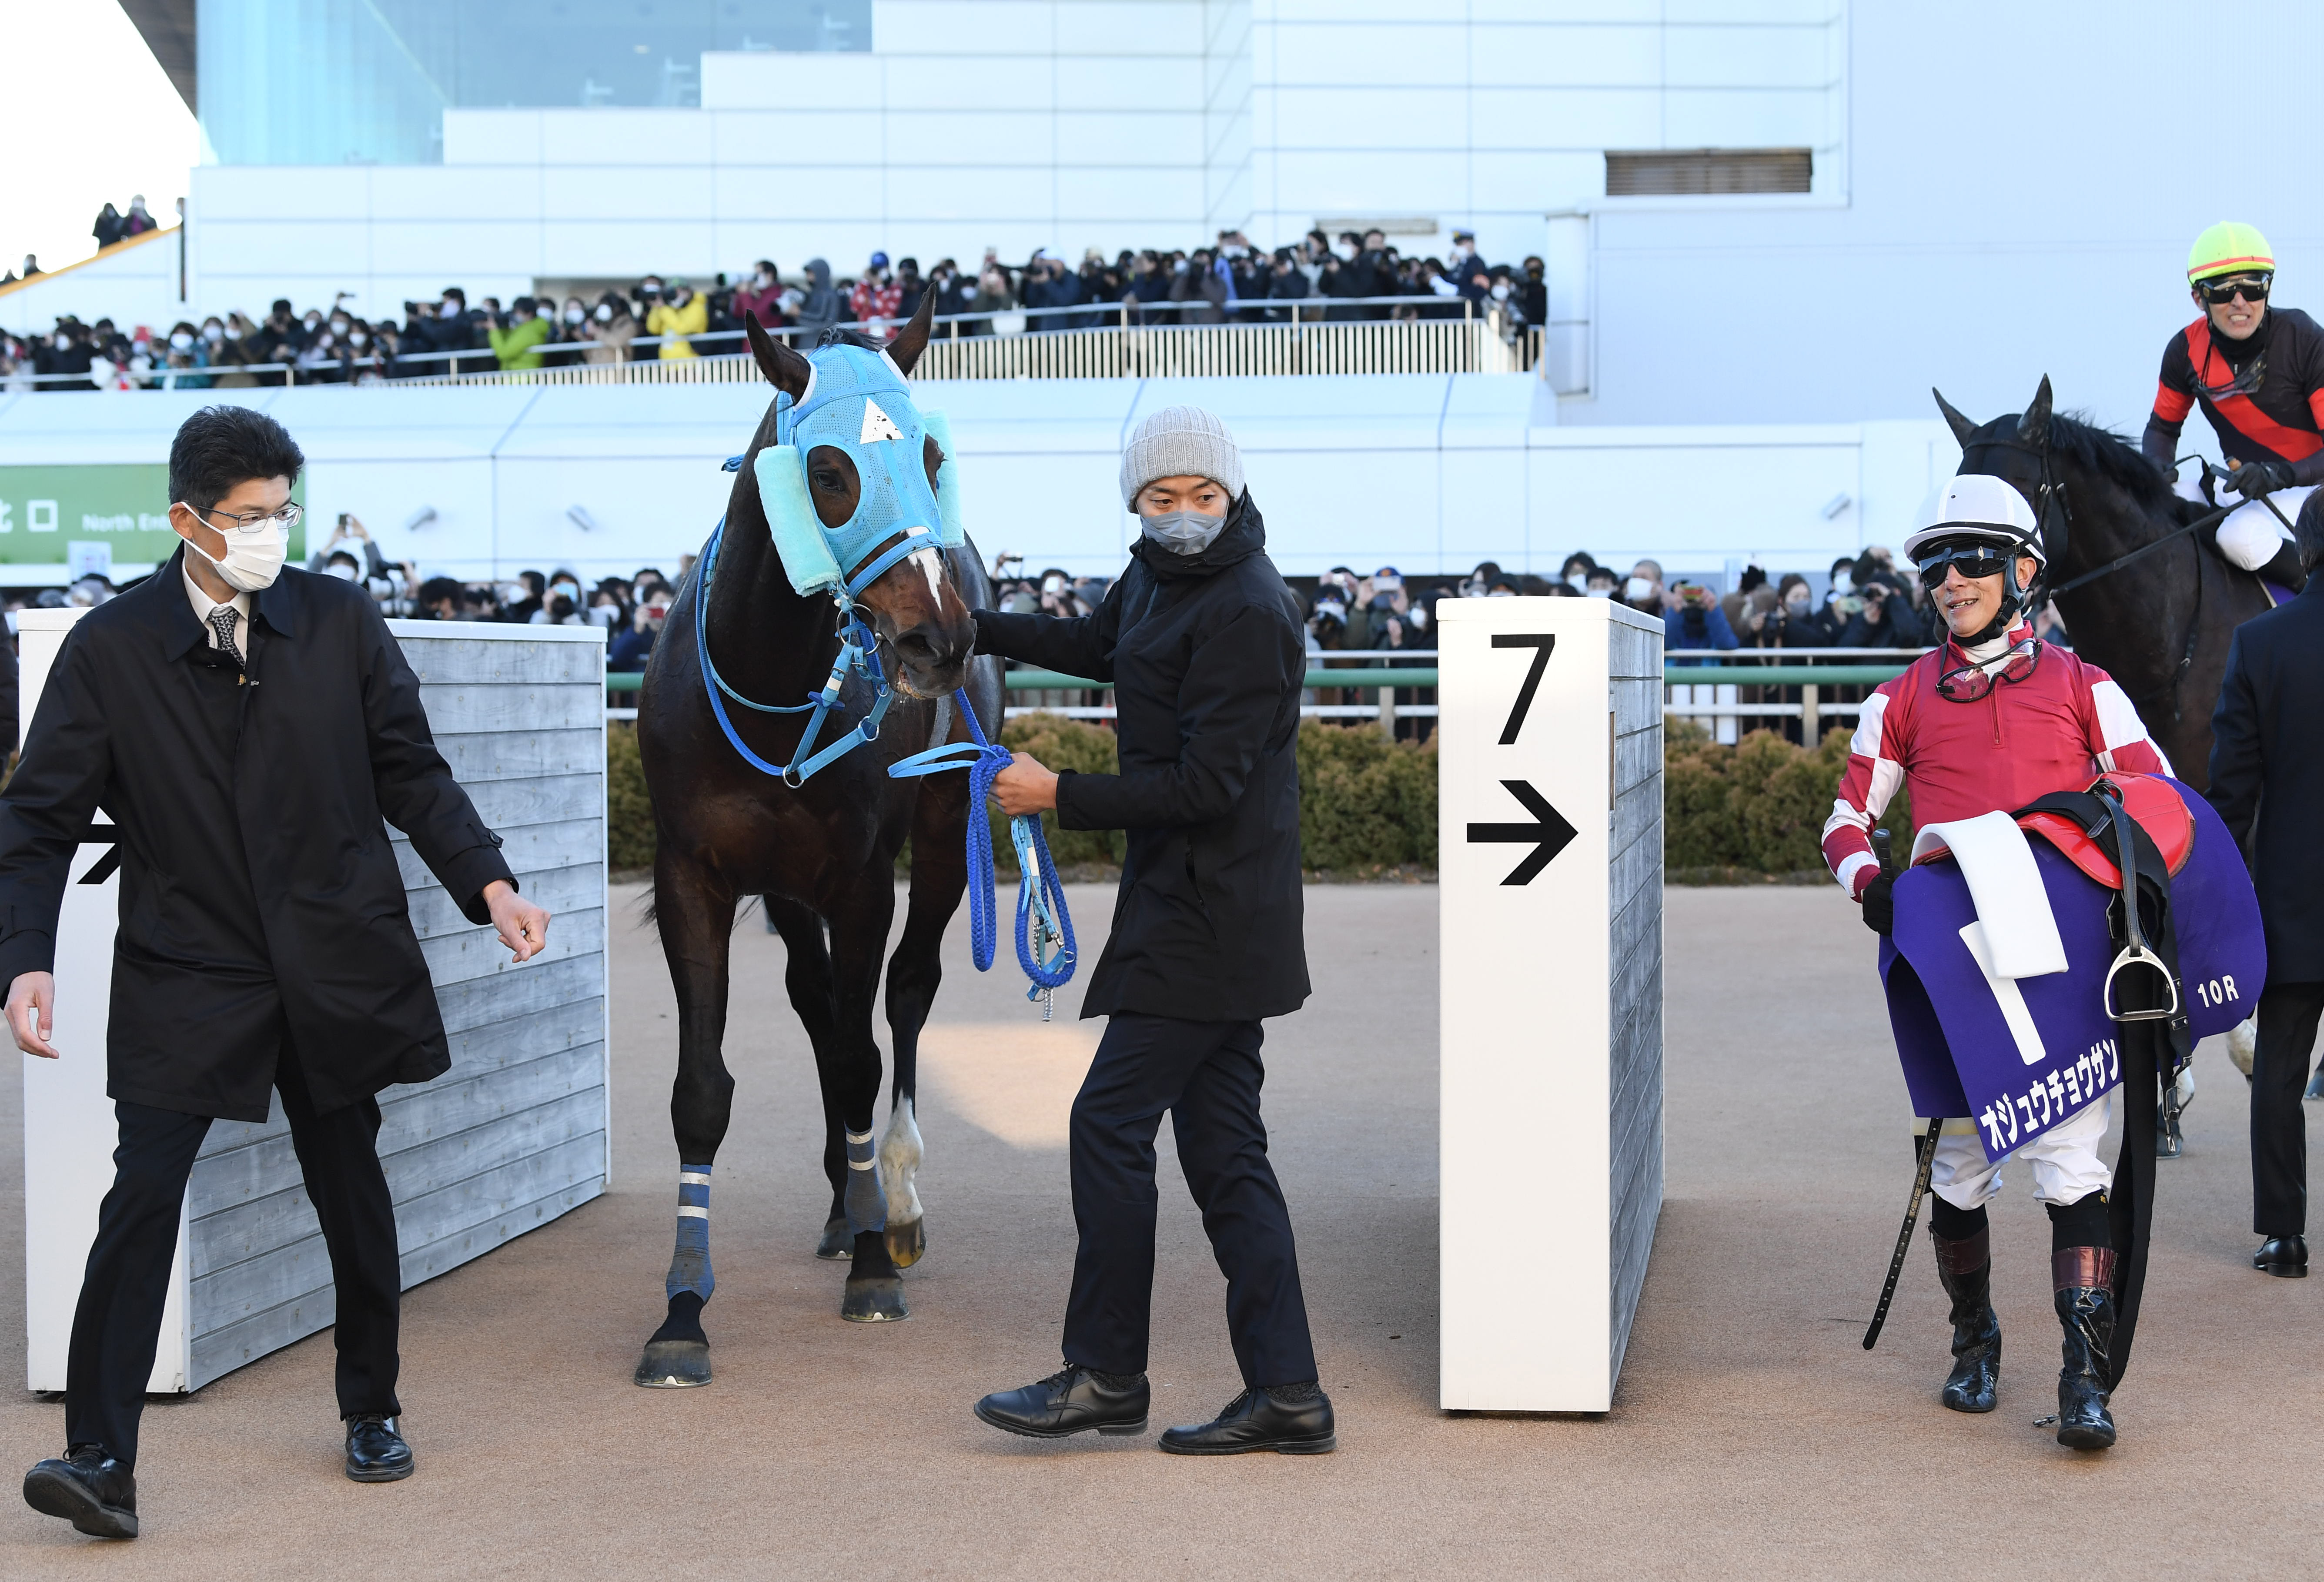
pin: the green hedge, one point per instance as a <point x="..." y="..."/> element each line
<point x="1758" y="807"/>
<point x="1366" y="804"/>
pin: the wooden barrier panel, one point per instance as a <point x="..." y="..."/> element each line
<point x="514" y="1135"/>
<point x="1551" y="861"/>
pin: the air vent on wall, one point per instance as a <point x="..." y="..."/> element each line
<point x="1671" y="173"/>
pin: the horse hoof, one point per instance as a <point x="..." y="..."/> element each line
<point x="907" y="1244"/>
<point x="674" y="1364"/>
<point x="877" y="1300"/>
<point x="838" y="1241"/>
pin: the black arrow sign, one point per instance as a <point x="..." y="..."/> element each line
<point x="1548" y="835"/>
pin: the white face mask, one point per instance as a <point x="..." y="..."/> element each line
<point x="1636" y="587"/>
<point x="213" y="333"/>
<point x="312" y="319"/>
<point x="1598" y="592"/>
<point x="253" y="559"/>
<point x="447" y="307"/>
<point x="574" y="315"/>
<point x="358" y="339"/>
<point x="605" y="313"/>
<point x="181" y="342"/>
<point x="344" y="573"/>
<point x="1579" y="582"/>
<point x="1501" y="293"/>
<point x="64" y="343"/>
<point x="1842" y="585"/>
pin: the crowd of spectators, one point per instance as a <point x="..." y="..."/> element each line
<point x="1231" y="281"/>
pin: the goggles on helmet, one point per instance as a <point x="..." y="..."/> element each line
<point x="1973" y="681"/>
<point x="2218" y="294"/>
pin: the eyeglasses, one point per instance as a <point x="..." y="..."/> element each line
<point x="1974" y="560"/>
<point x="289" y="517"/>
<point x="1971" y="682"/>
<point x="2251" y="289"/>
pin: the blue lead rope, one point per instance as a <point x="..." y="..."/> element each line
<point x="1042" y="919"/>
<point x="859" y="651"/>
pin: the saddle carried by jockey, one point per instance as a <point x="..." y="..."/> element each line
<point x="1996" y="947"/>
<point x="2257" y="370"/>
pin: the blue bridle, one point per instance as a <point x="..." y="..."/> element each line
<point x="857" y="402"/>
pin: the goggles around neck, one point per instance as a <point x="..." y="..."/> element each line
<point x="857" y="403"/>
<point x="1973" y="681"/>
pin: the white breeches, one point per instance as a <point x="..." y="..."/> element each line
<point x="2252" y="534"/>
<point x="2064" y="1159"/>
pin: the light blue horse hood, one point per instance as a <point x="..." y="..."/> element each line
<point x="857" y="402"/>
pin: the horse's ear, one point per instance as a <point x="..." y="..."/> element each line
<point x="2033" y="428"/>
<point x="785" y="369"/>
<point x="1961" y="426"/>
<point x="913" y="339"/>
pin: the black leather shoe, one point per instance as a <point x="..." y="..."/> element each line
<point x="1069" y="1401"/>
<point x="376" y="1452"/>
<point x="2284" y="1255"/>
<point x="88" y="1488"/>
<point x="1257" y="1419"/>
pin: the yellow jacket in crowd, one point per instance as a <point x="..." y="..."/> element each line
<point x="669" y="320"/>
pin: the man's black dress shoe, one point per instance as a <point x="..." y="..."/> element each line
<point x="1294" y="1420"/>
<point x="376" y="1452"/>
<point x="2284" y="1255"/>
<point x="88" y="1488"/>
<point x="1068" y="1402"/>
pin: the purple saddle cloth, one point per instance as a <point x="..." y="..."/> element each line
<point x="2020" y="1056"/>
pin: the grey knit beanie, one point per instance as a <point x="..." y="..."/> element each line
<point x="1180" y="441"/>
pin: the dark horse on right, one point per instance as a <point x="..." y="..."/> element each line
<point x="2159" y="625"/>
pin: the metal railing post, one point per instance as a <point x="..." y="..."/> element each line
<point x="1387" y="712"/>
<point x="1811" y="722"/>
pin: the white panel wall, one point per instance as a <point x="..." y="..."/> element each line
<point x="1057" y="124"/>
<point x="131" y="285"/>
<point x="1426" y="472"/>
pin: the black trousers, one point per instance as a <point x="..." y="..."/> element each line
<point x="1207" y="1075"/>
<point x="2288" y="1014"/>
<point x="118" y="1323"/>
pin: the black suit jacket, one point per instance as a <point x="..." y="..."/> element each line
<point x="258" y="886"/>
<point x="2267" y="775"/>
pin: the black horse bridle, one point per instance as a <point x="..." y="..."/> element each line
<point x="2053" y="494"/>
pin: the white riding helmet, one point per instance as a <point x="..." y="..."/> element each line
<point x="1980" y="505"/>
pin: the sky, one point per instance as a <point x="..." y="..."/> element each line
<point x="91" y="120"/>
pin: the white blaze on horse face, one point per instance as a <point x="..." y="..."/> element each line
<point x="877" y="425"/>
<point x="931" y="565"/>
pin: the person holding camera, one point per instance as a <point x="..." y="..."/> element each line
<point x="1881" y="614"/>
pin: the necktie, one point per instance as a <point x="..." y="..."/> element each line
<point x="222" y="623"/>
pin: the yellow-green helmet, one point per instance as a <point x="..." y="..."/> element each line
<point x="2230" y="247"/>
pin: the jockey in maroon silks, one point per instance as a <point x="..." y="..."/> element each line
<point x="1990" y="720"/>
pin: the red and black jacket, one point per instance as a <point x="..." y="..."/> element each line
<point x="2264" y="396"/>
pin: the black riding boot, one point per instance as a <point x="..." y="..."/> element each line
<point x="2084" y="1278"/>
<point x="2285" y="569"/>
<point x="1964" y="1269"/>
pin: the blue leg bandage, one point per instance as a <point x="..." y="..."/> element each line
<point x="867" y="1206"/>
<point x="689" y="1265"/>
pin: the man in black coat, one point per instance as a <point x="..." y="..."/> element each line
<point x="1203" y="644"/>
<point x="245" y="729"/>
<point x="2267" y="780"/>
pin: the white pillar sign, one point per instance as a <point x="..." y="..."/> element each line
<point x="1550" y="854"/>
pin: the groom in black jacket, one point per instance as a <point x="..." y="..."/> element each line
<point x="1204" y="646"/>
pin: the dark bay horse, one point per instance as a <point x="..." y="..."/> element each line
<point x="2159" y="626"/>
<point x="822" y="854"/>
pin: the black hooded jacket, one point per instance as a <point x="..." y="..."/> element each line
<point x="1206" y="654"/>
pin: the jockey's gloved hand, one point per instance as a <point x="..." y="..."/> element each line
<point x="1880" y="904"/>
<point x="2255" y="478"/>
